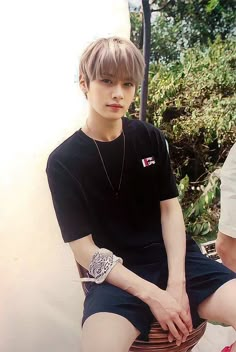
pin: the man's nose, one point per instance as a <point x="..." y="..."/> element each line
<point x="117" y="92"/>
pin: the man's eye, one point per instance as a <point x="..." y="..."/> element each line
<point x="129" y="84"/>
<point x="108" y="81"/>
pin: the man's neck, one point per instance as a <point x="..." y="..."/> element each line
<point x="102" y="129"/>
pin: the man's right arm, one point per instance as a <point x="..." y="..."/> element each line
<point x="84" y="249"/>
<point x="166" y="310"/>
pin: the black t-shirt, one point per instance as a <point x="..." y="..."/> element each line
<point x="85" y="202"/>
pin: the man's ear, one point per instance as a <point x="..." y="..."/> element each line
<point x="83" y="84"/>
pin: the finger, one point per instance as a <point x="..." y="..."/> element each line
<point x="174" y="331"/>
<point x="178" y="342"/>
<point x="164" y="326"/>
<point x="190" y="320"/>
<point x="170" y="337"/>
<point x="181" y="326"/>
<point x="187" y="319"/>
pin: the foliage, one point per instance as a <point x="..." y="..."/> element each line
<point x="136" y="34"/>
<point x="192" y="97"/>
<point x="200" y="214"/>
<point x="183" y="24"/>
<point x="194" y="102"/>
<point x="197" y="95"/>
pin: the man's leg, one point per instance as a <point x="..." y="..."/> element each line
<point x="226" y="248"/>
<point x="221" y="306"/>
<point x="106" y="332"/>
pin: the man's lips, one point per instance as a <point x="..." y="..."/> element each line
<point x="115" y="105"/>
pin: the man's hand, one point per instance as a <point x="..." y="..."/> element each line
<point x="170" y="314"/>
<point x="178" y="292"/>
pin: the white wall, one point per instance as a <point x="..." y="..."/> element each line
<point x="40" y="295"/>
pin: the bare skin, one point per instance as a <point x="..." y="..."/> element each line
<point x="111" y="332"/>
<point x="178" y="291"/>
<point x="226" y="248"/>
<point x="106" y="332"/>
<point x="221" y="306"/>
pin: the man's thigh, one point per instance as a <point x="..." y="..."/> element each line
<point x="221" y="305"/>
<point x="204" y="277"/>
<point x="105" y="332"/>
<point x="111" y="299"/>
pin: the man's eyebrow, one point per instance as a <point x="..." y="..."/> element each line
<point x="124" y="79"/>
<point x="107" y="74"/>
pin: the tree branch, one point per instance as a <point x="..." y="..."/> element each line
<point x="161" y="8"/>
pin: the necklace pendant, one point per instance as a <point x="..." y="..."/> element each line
<point x="116" y="193"/>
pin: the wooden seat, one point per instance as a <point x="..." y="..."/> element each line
<point x="158" y="340"/>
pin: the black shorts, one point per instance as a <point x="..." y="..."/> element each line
<point x="203" y="277"/>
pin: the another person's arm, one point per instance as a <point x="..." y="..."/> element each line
<point x="227" y="223"/>
<point x="226" y="237"/>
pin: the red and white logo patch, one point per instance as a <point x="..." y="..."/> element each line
<point x="148" y="161"/>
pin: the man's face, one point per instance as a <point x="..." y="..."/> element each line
<point x="110" y="97"/>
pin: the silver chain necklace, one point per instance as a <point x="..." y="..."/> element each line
<point x="116" y="192"/>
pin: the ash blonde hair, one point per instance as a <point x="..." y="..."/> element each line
<point x="114" y="56"/>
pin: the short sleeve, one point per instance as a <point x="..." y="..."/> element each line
<point x="69" y="201"/>
<point x="168" y="188"/>
<point x="227" y="222"/>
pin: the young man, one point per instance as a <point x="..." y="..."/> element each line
<point x="226" y="239"/>
<point x="116" y="202"/>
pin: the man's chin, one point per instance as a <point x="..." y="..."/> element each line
<point x="113" y="117"/>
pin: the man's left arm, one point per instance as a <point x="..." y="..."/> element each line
<point x="173" y="230"/>
<point x="174" y="237"/>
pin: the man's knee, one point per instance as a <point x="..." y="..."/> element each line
<point x="105" y="332"/>
<point x="220" y="306"/>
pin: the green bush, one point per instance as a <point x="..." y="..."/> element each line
<point x="201" y="215"/>
<point x="194" y="102"/>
